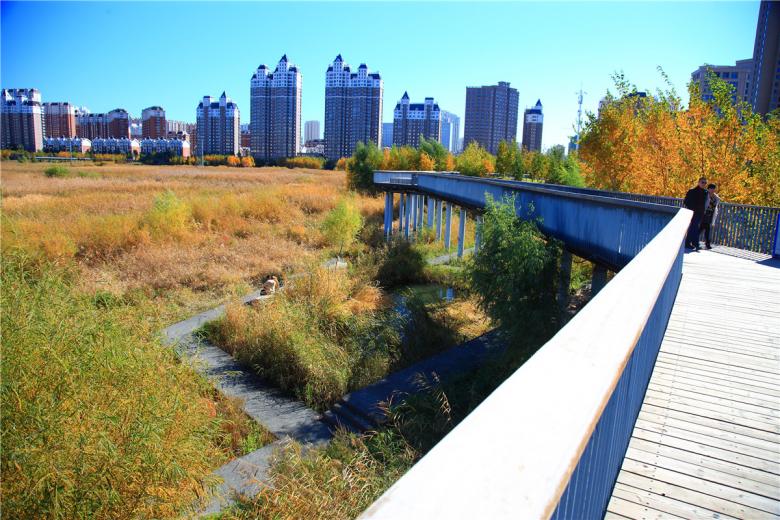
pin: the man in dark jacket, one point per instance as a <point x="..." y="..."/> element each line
<point x="695" y="200"/>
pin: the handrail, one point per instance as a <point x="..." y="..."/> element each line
<point x="527" y="450"/>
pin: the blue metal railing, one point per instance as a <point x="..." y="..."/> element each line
<point x="741" y="226"/>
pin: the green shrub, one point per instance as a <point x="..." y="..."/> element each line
<point x="515" y="273"/>
<point x="361" y="166"/>
<point x="342" y="224"/>
<point x="169" y="217"/>
<point x="57" y="171"/>
<point x="401" y="263"/>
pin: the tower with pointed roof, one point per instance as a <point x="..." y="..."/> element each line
<point x="275" y="111"/>
<point x="353" y="108"/>
<point x="414" y="120"/>
<point x="533" y="121"/>
<point x="218" y="131"/>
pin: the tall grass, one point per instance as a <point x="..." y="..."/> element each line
<point x="98" y="420"/>
<point x="338" y="481"/>
<point x="324" y="335"/>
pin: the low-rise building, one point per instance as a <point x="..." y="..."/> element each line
<point x="178" y="147"/>
<point x="67" y="144"/>
<point x="113" y="145"/>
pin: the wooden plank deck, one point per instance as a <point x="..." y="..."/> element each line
<point x="707" y="441"/>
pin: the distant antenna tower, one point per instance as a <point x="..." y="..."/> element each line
<point x="579" y="111"/>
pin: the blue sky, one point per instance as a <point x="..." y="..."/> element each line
<point x="108" y="55"/>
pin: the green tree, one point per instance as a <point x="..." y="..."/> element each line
<point x="361" y="166"/>
<point x="515" y="274"/>
<point x="475" y="160"/>
<point x="506" y="158"/>
<point x="342" y="224"/>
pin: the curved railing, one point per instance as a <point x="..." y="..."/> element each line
<point x="550" y="440"/>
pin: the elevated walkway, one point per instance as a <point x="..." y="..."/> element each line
<point x="706" y="443"/>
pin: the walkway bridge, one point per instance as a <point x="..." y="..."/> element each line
<point x="659" y="399"/>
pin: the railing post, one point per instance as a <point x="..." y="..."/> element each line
<point x="564" y="282"/>
<point x="431" y="209"/>
<point x="447" y="227"/>
<point x="599" y="279"/>
<point x="461" y="232"/>
<point x="438" y="211"/>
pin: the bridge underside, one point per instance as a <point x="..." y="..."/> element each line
<point x="707" y="440"/>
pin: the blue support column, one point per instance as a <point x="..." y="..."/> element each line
<point x="477" y="233"/>
<point x="431" y="208"/>
<point x="437" y="216"/>
<point x="447" y="227"/>
<point x="599" y="279"/>
<point x="420" y="209"/>
<point x="461" y="232"/>
<point x="401" y="209"/>
<point x="407" y="213"/>
<point x="413" y="213"/>
<point x="388" y="214"/>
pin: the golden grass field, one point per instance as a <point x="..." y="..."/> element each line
<point x="245" y="224"/>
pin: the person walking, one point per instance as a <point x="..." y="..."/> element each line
<point x="695" y="200"/>
<point x="710" y="213"/>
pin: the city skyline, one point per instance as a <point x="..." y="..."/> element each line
<point x="566" y="45"/>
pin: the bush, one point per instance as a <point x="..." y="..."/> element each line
<point x="57" y="171"/>
<point x="515" y="273"/>
<point x="98" y="421"/>
<point x="401" y="263"/>
<point x="169" y="217"/>
<point x="316" y="163"/>
<point x="342" y="224"/>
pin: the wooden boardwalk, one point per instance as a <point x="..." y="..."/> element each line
<point x="707" y="441"/>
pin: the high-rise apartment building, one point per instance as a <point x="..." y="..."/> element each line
<point x="450" y="131"/>
<point x="275" y="115"/>
<point x="737" y="75"/>
<point x="311" y="131"/>
<point x="533" y="122"/>
<point x="353" y="108"/>
<point x="153" y="124"/>
<point x="387" y="135"/>
<point x="21" y="119"/>
<point x="765" y="80"/>
<point x="114" y="124"/>
<point x="218" y="130"/>
<point x="491" y="115"/>
<point x="414" y="120"/>
<point x="59" y="120"/>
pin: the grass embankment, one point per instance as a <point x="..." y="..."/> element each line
<point x="99" y="419"/>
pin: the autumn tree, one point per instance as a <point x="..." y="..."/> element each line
<point x="361" y="166"/>
<point x="655" y="145"/>
<point x="342" y="224"/>
<point x="475" y="160"/>
<point x="506" y="157"/>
